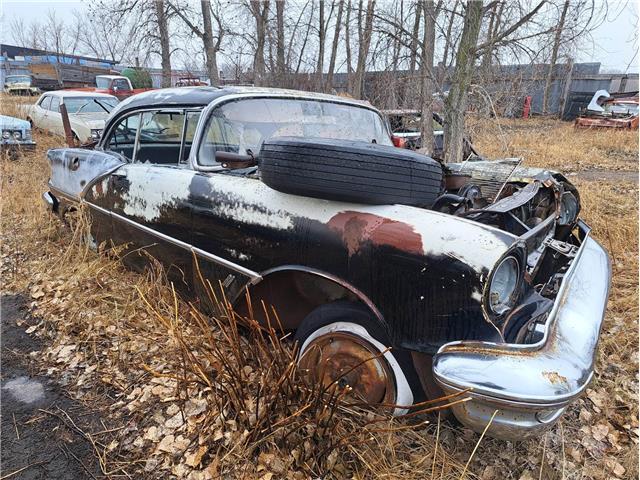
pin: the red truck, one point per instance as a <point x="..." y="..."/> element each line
<point x="115" y="85"/>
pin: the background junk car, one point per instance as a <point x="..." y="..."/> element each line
<point x="480" y="275"/>
<point x="15" y="134"/>
<point x="87" y="111"/>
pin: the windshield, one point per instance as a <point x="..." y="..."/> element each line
<point x="90" y="104"/>
<point x="243" y="125"/>
<point x="11" y="79"/>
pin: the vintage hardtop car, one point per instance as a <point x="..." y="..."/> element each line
<point x="479" y="276"/>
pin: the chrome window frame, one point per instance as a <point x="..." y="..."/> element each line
<point x="106" y="137"/>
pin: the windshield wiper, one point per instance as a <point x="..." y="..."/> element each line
<point x="101" y="105"/>
<point x="82" y="106"/>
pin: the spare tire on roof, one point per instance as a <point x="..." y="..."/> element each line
<point x="350" y="171"/>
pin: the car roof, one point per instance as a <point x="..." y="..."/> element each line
<point x="111" y="76"/>
<point x="77" y="93"/>
<point x="202" y="96"/>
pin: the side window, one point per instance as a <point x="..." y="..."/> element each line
<point x="160" y="138"/>
<point x="45" y="103"/>
<point x="221" y="135"/>
<point x="123" y="137"/>
<point x="191" y="122"/>
<point x="55" y="104"/>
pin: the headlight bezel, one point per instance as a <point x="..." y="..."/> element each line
<point x="502" y="309"/>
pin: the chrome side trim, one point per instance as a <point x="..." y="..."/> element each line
<point x="254" y="276"/>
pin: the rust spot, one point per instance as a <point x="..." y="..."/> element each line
<point x="357" y="228"/>
<point x="555" y="377"/>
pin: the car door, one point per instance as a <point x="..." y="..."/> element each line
<point x="54" y="118"/>
<point x="39" y="112"/>
<point x="149" y="197"/>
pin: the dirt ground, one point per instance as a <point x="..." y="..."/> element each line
<point x="117" y="341"/>
<point x="41" y="425"/>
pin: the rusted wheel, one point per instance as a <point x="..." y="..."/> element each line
<point x="336" y="348"/>
<point x="348" y="359"/>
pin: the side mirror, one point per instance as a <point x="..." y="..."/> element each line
<point x="234" y="161"/>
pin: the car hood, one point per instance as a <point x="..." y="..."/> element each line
<point x="12" y="122"/>
<point x="487" y="167"/>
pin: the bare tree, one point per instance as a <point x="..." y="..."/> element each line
<point x="280" y="58"/>
<point x="260" y="11"/>
<point x="413" y="49"/>
<point x="427" y="76"/>
<point x="456" y="102"/>
<point x="165" y="49"/>
<point x="364" y="34"/>
<point x="211" y="43"/>
<point x="554" y="56"/>
<point x="334" y="47"/>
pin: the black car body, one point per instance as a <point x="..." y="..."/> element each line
<point x="470" y="288"/>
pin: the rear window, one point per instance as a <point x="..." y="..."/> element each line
<point x="243" y="125"/>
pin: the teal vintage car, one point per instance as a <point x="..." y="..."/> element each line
<point x="16" y="134"/>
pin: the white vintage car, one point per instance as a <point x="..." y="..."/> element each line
<point x="87" y="111"/>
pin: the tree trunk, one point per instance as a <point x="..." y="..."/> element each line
<point x="347" y="41"/>
<point x="280" y="39"/>
<point x="413" y="54"/>
<point x="447" y="44"/>
<point x="426" y="111"/>
<point x="488" y="54"/>
<point x="260" y="10"/>
<point x="456" y="103"/>
<point x="209" y="47"/>
<point x="334" y="48"/>
<point x="165" y="49"/>
<point x="363" y="50"/>
<point x="321" y="38"/>
<point x="554" y="57"/>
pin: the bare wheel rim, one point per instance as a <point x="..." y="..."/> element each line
<point x="350" y="360"/>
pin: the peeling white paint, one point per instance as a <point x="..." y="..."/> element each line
<point x="152" y="188"/>
<point x="477" y="245"/>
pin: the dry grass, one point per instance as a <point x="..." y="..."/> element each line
<point x="557" y="145"/>
<point x="185" y="397"/>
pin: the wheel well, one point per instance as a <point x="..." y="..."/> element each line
<point x="293" y="294"/>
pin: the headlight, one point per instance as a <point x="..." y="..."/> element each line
<point x="96" y="134"/>
<point x="17" y="135"/>
<point x="503" y="285"/>
<point x="6" y="134"/>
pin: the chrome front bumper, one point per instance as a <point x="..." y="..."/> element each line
<point x="528" y="387"/>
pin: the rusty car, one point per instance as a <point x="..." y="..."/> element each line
<point x="607" y="111"/>
<point x="399" y="276"/>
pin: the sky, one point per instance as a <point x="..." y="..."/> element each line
<point x="611" y="43"/>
